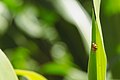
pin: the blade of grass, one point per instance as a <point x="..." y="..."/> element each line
<point x="6" y="70"/>
<point x="30" y="75"/>
<point x="97" y="59"/>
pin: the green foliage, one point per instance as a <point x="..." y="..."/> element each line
<point x="97" y="62"/>
<point x="53" y="38"/>
<point x="7" y="72"/>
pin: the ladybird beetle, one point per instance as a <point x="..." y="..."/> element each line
<point x="94" y="46"/>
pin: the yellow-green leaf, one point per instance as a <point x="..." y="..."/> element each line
<point x="97" y="59"/>
<point x="30" y="75"/>
<point x="96" y="4"/>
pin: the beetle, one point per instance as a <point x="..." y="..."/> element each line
<point x="94" y="46"/>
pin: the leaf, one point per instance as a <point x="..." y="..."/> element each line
<point x="76" y="74"/>
<point x="27" y="21"/>
<point x="96" y="4"/>
<point x="73" y="12"/>
<point x="30" y="75"/>
<point x="6" y="70"/>
<point x="97" y="59"/>
<point x="55" y="69"/>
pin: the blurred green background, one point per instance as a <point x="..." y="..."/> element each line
<point x="36" y="37"/>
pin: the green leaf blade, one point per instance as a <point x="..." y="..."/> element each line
<point x="100" y="57"/>
<point x="96" y="4"/>
<point x="97" y="60"/>
<point x="92" y="68"/>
